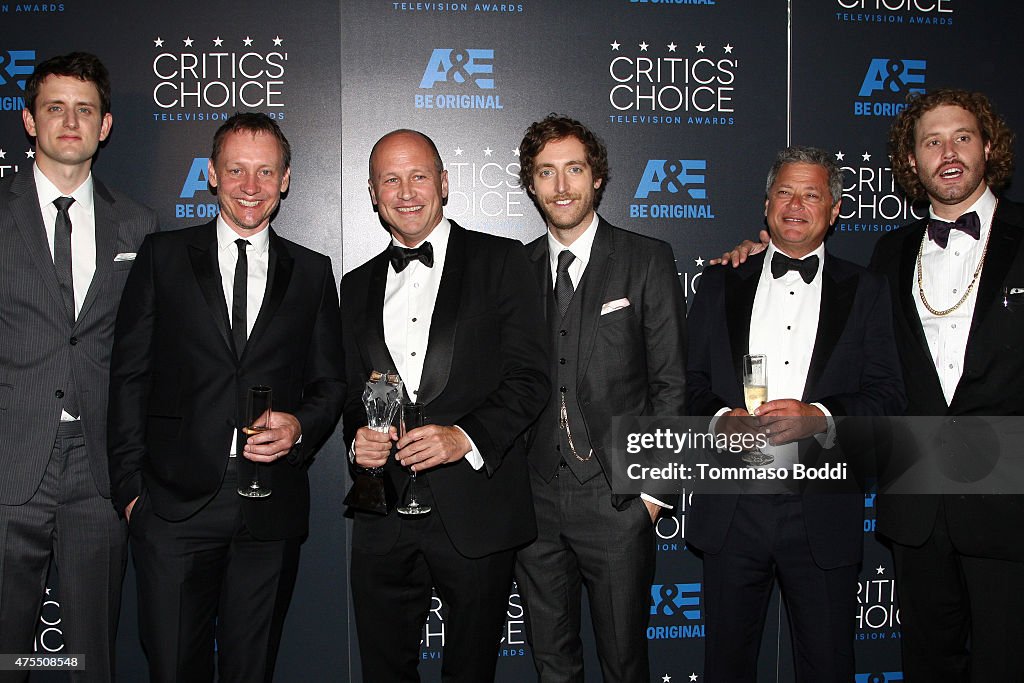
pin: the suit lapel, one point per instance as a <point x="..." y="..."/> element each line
<point x="834" y="310"/>
<point x="595" y="279"/>
<point x="907" y="287"/>
<point x="203" y="255"/>
<point x="28" y="218"/>
<point x="106" y="225"/>
<point x="371" y="327"/>
<point x="539" y="256"/>
<point x="441" y="345"/>
<point x="279" y="274"/>
<point x="740" y="288"/>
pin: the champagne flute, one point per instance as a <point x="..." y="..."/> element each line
<point x="412" y="417"/>
<point x="755" y="392"/>
<point x="257" y="419"/>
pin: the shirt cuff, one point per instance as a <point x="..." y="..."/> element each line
<point x="828" y="439"/>
<point x="714" y="421"/>
<point x="473" y="457"/>
<point x="652" y="499"/>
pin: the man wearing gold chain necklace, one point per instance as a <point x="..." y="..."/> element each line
<point x="959" y="559"/>
<point x="958" y="308"/>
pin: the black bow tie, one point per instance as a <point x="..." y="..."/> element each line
<point x="401" y="257"/>
<point x="938" y="230"/>
<point x="782" y="264"/>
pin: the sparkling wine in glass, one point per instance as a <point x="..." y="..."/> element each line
<point x="412" y="417"/>
<point x="755" y="392"/>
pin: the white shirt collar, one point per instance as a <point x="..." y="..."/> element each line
<point x="581" y="248"/>
<point x="226" y="237"/>
<point x="772" y="250"/>
<point x="47" y="191"/>
<point x="438" y="239"/>
<point x="985" y="206"/>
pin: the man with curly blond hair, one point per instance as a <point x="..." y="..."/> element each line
<point x="959" y="560"/>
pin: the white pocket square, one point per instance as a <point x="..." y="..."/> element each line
<point x="125" y="256"/>
<point x="610" y="306"/>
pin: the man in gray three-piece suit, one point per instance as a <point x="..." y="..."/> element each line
<point x="66" y="245"/>
<point x="617" y="324"/>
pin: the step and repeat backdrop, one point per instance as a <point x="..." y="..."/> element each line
<point x="693" y="98"/>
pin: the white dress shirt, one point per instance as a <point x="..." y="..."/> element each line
<point x="83" y="236"/>
<point x="258" y="264"/>
<point x="83" y="229"/>
<point x="409" y="299"/>
<point x="947" y="273"/>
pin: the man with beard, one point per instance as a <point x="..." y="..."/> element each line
<point x="616" y="319"/>
<point x="958" y="558"/>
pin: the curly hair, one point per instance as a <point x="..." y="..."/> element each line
<point x="81" y="65"/>
<point x="994" y="131"/>
<point x="552" y="128"/>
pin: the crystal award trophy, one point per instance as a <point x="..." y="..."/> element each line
<point x="372" y="490"/>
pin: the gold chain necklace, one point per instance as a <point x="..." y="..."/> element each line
<point x="970" y="287"/>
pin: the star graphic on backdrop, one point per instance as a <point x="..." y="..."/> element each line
<point x="700" y="47"/>
<point x="188" y="41"/>
<point x="247" y="41"/>
<point x="615" y="45"/>
<point x="30" y="154"/>
<point x="515" y="152"/>
<point x="487" y="151"/>
<point x="865" y="156"/>
<point x="218" y="41"/>
<point x="666" y="678"/>
<point x="840" y="156"/>
<point x="672" y="47"/>
<point x="3" y="154"/>
<point x="48" y="590"/>
<point x="643" y="47"/>
<point x="693" y="677"/>
<point x="458" y="151"/>
<point x="699" y="261"/>
<point x="278" y="40"/>
<point x="879" y="569"/>
<point x="159" y="42"/>
<point x="728" y="49"/>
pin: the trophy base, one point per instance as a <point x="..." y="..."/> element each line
<point x="372" y="491"/>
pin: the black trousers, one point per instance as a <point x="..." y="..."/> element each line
<point x="391" y="596"/>
<point x="66" y="520"/>
<point x="207" y="579"/>
<point x="767" y="541"/>
<point x="583" y="541"/>
<point x="962" y="617"/>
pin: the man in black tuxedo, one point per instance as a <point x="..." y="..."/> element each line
<point x="457" y="314"/>
<point x="66" y="244"/>
<point x="959" y="558"/>
<point x="825" y="327"/>
<point x="616" y="319"/>
<point x="209" y="312"/>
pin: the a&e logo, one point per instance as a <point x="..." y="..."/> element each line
<point x="675" y="600"/>
<point x="886" y="85"/>
<point x="15" y="67"/>
<point x="879" y="677"/>
<point x="458" y="68"/>
<point x="681" y="181"/>
<point x="196" y="180"/>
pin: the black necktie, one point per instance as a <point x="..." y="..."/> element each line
<point x="938" y="230"/>
<point x="62" y="264"/>
<point x="240" y="298"/>
<point x="401" y="257"/>
<point x="563" y="283"/>
<point x="62" y="253"/>
<point x="782" y="264"/>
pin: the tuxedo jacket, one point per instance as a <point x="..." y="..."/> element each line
<point x="854" y="371"/>
<point x="178" y="389"/>
<point x="985" y="526"/>
<point x="40" y="345"/>
<point x="631" y="361"/>
<point x="484" y="370"/>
